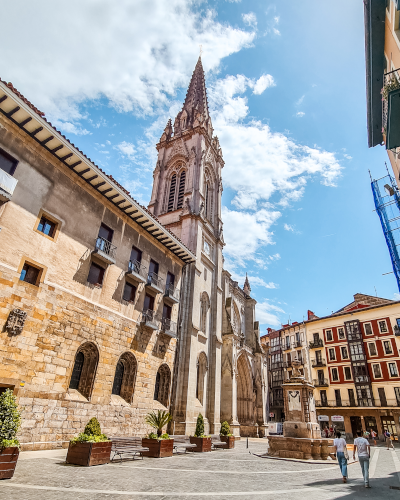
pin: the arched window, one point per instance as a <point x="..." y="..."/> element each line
<point x="201" y="375"/>
<point x="163" y="380"/>
<point x="172" y="190"/>
<point x="84" y="370"/>
<point x="125" y="375"/>
<point x="181" y="191"/>
<point x="208" y="195"/>
<point x="204" y="313"/>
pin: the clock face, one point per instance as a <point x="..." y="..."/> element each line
<point x="206" y="247"/>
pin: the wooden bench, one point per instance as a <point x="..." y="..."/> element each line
<point x="182" y="442"/>
<point x="127" y="446"/>
<point x="216" y="442"/>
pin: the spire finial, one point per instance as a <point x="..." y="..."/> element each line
<point x="246" y="286"/>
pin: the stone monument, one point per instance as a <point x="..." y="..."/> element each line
<point x="301" y="432"/>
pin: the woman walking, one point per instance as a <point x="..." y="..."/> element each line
<point x="373" y="435"/>
<point x="388" y="437"/>
<point x="342" y="454"/>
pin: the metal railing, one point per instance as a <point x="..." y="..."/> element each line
<point x="361" y="403"/>
<point x="172" y="292"/>
<point x="168" y="325"/>
<point x="297" y="343"/>
<point x="106" y="247"/>
<point x="318" y="343"/>
<point x="276" y="403"/>
<point x="321" y="382"/>
<point x="391" y="81"/>
<point x="150" y="316"/>
<point x="286" y="347"/>
<point x="318" y="362"/>
<point x="154" y="279"/>
<point x="136" y="267"/>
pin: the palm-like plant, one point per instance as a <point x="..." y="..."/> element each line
<point x="158" y="420"/>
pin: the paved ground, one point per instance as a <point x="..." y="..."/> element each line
<point x="221" y="475"/>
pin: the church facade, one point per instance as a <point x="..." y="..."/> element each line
<point x="111" y="309"/>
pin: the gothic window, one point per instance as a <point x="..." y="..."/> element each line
<point x="201" y="375"/>
<point x="181" y="190"/>
<point x="208" y="196"/>
<point x="172" y="189"/>
<point x="163" y="380"/>
<point x="84" y="370"/>
<point x="204" y="313"/>
<point x="125" y="375"/>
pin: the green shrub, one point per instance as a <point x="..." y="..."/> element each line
<point x="10" y="419"/>
<point x="165" y="436"/>
<point x="152" y="435"/>
<point x="158" y="420"/>
<point x="199" y="432"/>
<point x="91" y="434"/>
<point x="225" y="429"/>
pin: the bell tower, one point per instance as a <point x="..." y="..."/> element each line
<point x="186" y="198"/>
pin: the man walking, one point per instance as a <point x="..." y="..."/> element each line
<point x="388" y="438"/>
<point x="362" y="447"/>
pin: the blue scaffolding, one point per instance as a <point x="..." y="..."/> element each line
<point x="387" y="204"/>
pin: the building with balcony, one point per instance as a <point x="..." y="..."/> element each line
<point x="355" y="366"/>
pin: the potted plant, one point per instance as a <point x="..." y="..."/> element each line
<point x="160" y="445"/>
<point x="10" y="420"/>
<point x="226" y="436"/>
<point x="90" y="447"/>
<point x="202" y="442"/>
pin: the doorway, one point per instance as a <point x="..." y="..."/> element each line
<point x="355" y="425"/>
<point x="370" y="423"/>
<point x="389" y="425"/>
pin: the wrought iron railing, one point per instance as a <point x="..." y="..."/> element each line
<point x="321" y="382"/>
<point x="318" y="362"/>
<point x="286" y="347"/>
<point x="168" y="325"/>
<point x="154" y="279"/>
<point x="316" y="344"/>
<point x="136" y="267"/>
<point x="298" y="343"/>
<point x="391" y="81"/>
<point x="171" y="291"/>
<point x="106" y="247"/>
<point x="360" y="403"/>
<point x="149" y="316"/>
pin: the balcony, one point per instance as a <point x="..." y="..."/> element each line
<point x="7" y="186"/>
<point x="318" y="362"/>
<point x="154" y="283"/>
<point x="391" y="108"/>
<point x="171" y="294"/>
<point x="150" y="319"/>
<point x="105" y="250"/>
<point x="390" y="403"/>
<point x="287" y="347"/>
<point x="276" y="403"/>
<point x="137" y="271"/>
<point x="297" y="343"/>
<point x="168" y="327"/>
<point x="321" y="382"/>
<point x="317" y="344"/>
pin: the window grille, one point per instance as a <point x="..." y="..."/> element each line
<point x="171" y="198"/>
<point x="181" y="191"/>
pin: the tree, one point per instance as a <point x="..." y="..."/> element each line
<point x="199" y="432"/>
<point x="225" y="429"/>
<point x="158" y="420"/>
<point x="93" y="427"/>
<point x="10" y="419"/>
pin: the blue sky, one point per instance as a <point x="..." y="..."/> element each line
<point x="286" y="85"/>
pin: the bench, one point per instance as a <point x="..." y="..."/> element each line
<point x="127" y="446"/>
<point x="216" y="442"/>
<point x="182" y="442"/>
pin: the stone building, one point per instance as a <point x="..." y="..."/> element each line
<point x="109" y="309"/>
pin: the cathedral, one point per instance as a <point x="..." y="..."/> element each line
<point x="220" y="367"/>
<point x="109" y="309"/>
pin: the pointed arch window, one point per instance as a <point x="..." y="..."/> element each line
<point x="119" y="375"/>
<point x="163" y="380"/>
<point x="181" y="191"/>
<point x="172" y="190"/>
<point x="208" y="202"/>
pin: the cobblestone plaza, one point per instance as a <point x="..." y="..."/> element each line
<point x="221" y="474"/>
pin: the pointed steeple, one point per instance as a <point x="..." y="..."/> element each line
<point x="166" y="136"/>
<point x="246" y="286"/>
<point x="195" y="108"/>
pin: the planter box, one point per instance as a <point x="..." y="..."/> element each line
<point x="202" y="444"/>
<point x="229" y="440"/>
<point x="88" y="454"/>
<point x="8" y="461"/>
<point x="158" y="448"/>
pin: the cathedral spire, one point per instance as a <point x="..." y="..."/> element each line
<point x="246" y="286"/>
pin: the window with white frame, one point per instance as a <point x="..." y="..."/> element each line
<point x="393" y="369"/>
<point x="368" y="329"/>
<point x="347" y="373"/>
<point x="344" y="352"/>
<point x="335" y="374"/>
<point x="328" y="335"/>
<point x="382" y="326"/>
<point x="387" y="346"/>
<point x="332" y="355"/>
<point x="377" y="371"/>
<point x="341" y="334"/>
<point x="372" y="349"/>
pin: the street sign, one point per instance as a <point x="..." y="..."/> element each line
<point x="323" y="418"/>
<point x="337" y="418"/>
<point x="272" y="415"/>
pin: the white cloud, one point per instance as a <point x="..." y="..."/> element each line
<point x="288" y="227"/>
<point x="300" y="101"/>
<point x="396" y="296"/>
<point x="70" y="128"/>
<point x="127" y="149"/>
<point x="300" y="114"/>
<point x="267" y="313"/>
<point x="348" y="157"/>
<point x="133" y="59"/>
<point x="263" y="83"/>
<point x="250" y="19"/>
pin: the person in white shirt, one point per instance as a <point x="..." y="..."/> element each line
<point x="341" y="451"/>
<point x="362" y="447"/>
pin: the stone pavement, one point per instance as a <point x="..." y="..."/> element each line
<point x="222" y="475"/>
